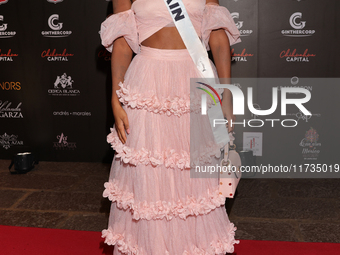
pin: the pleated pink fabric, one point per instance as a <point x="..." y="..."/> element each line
<point x="157" y="208"/>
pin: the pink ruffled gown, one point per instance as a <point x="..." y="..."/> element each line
<point x="157" y="208"/>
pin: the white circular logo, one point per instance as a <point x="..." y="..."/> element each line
<point x="294" y="80"/>
<point x="51" y="22"/>
<point x="293" y="21"/>
<point x="3" y="27"/>
<point x="236" y="15"/>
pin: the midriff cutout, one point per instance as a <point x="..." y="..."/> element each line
<point x="165" y="38"/>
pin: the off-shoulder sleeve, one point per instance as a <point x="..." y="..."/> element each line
<point x="117" y="25"/>
<point x="215" y="17"/>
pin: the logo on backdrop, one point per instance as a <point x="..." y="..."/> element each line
<point x="10" y="112"/>
<point x="63" y="86"/>
<point x="63" y="144"/>
<point x="52" y="55"/>
<point x="3" y="1"/>
<point x="106" y="55"/>
<point x="298" y="26"/>
<point x="310" y="145"/>
<point x="3" y="28"/>
<point x="7" y="57"/>
<point x="7" y="141"/>
<point x="294" y="56"/>
<point x="56" y="26"/>
<point x="54" y="1"/>
<point x="240" y="57"/>
<point x="68" y="113"/>
<point x="10" y="85"/>
<point x="300" y="116"/>
<point x="239" y="25"/>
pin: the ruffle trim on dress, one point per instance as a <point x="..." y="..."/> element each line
<point x="162" y="209"/>
<point x="121" y="244"/>
<point x="222" y="246"/>
<point x="169" y="158"/>
<point x="226" y="245"/>
<point x="176" y="106"/>
<point x="169" y="106"/>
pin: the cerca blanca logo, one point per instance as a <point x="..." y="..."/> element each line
<point x="63" y="144"/>
<point x="298" y="26"/>
<point x="63" y="86"/>
<point x="239" y="25"/>
<point x="3" y="29"/>
<point x="7" y="141"/>
<point x="55" y="26"/>
<point x="10" y="112"/>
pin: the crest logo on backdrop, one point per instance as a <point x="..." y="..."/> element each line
<point x="63" y="143"/>
<point x="63" y="86"/>
<point x="310" y="146"/>
<point x="6" y="141"/>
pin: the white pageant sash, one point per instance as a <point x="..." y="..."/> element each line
<point x="200" y="57"/>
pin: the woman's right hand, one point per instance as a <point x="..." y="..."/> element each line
<point x="121" y="122"/>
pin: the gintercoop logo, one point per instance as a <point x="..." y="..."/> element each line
<point x="56" y="26"/>
<point x="298" y="25"/>
<point x="239" y="25"/>
<point x="3" y="28"/>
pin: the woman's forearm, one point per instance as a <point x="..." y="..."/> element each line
<point x="120" y="61"/>
<point x="220" y="49"/>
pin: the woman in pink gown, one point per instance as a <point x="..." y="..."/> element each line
<point x="156" y="207"/>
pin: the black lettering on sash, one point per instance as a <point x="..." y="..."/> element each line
<point x="177" y="12"/>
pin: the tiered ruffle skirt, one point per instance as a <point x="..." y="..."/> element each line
<point x="157" y="208"/>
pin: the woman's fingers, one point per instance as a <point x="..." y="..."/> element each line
<point x="121" y="123"/>
<point x="120" y="130"/>
<point x="126" y="124"/>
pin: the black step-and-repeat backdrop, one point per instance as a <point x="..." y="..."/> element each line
<point x="55" y="83"/>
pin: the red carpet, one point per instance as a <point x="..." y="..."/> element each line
<point x="42" y="241"/>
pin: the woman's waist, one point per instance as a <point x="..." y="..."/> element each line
<point x="171" y="54"/>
